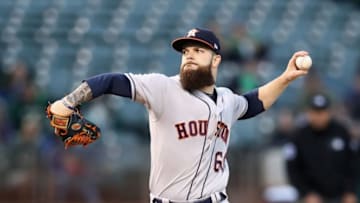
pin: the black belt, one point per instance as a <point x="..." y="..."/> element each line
<point x="207" y="200"/>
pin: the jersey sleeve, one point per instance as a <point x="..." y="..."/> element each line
<point x="240" y="106"/>
<point x="148" y="89"/>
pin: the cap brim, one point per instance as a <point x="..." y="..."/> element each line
<point x="178" y="44"/>
<point x="319" y="108"/>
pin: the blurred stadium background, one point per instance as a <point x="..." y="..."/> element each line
<point x="49" y="46"/>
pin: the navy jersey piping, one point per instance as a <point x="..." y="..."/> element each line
<point x="202" y="152"/>
<point x="207" y="173"/>
<point x="133" y="92"/>
<point x="212" y="154"/>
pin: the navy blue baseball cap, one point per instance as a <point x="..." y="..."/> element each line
<point x="319" y="101"/>
<point x="203" y="36"/>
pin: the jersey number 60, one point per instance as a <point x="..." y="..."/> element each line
<point x="219" y="162"/>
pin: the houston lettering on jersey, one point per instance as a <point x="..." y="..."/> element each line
<point x="199" y="128"/>
<point x="192" y="128"/>
<point x="222" y="131"/>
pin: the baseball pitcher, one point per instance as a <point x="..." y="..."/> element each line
<point x="190" y="118"/>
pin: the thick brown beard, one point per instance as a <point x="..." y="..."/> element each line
<point x="191" y="79"/>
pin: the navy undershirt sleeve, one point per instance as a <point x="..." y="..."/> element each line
<point x="255" y="105"/>
<point x="109" y="83"/>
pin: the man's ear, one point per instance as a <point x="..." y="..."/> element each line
<point x="216" y="60"/>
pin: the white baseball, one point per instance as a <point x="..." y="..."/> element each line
<point x="303" y="62"/>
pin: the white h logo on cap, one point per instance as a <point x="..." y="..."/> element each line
<point x="192" y="33"/>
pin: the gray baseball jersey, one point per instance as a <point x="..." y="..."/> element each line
<point x="190" y="136"/>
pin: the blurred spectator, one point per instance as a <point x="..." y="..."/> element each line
<point x="246" y="80"/>
<point x="244" y="50"/>
<point x="241" y="46"/>
<point x="285" y="127"/>
<point x="320" y="160"/>
<point x="3" y="84"/>
<point x="352" y="97"/>
<point x="243" y="62"/>
<point x="18" y="79"/>
<point x="6" y="126"/>
<point x="22" y="93"/>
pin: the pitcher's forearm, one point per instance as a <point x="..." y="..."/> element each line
<point x="271" y="91"/>
<point x="80" y="95"/>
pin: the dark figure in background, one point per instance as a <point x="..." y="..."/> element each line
<point x="320" y="160"/>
